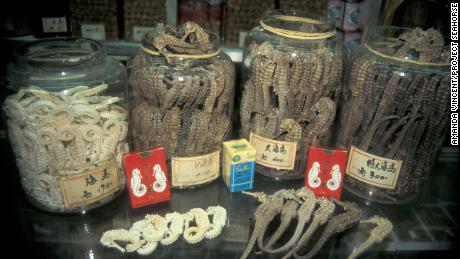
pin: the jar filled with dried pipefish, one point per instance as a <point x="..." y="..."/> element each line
<point x="394" y="113"/>
<point x="67" y="122"/>
<point x="182" y="99"/>
<point x="292" y="74"/>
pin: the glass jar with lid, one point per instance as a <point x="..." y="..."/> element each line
<point x="292" y="74"/>
<point x="182" y="99"/>
<point x="394" y="113"/>
<point x="67" y="121"/>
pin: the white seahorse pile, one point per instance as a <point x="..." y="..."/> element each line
<point x="144" y="235"/>
<point x="63" y="133"/>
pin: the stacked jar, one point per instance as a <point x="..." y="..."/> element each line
<point x="395" y="110"/>
<point x="182" y="99"/>
<point x="292" y="73"/>
<point x="67" y="123"/>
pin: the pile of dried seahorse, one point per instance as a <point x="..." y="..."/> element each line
<point x="398" y="110"/>
<point x="181" y="102"/>
<point x="310" y="214"/>
<point x="144" y="235"/>
<point x="291" y="96"/>
<point x="57" y="134"/>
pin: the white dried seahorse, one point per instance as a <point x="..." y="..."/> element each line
<point x="176" y="228"/>
<point x="109" y="237"/>
<point x="155" y="229"/>
<point x="219" y="219"/>
<point x="147" y="247"/>
<point x="334" y="183"/>
<point x="138" y="226"/>
<point x="138" y="188"/>
<point x="313" y="179"/>
<point x="160" y="179"/>
<point x="195" y="234"/>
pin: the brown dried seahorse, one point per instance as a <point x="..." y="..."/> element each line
<point x="320" y="118"/>
<point x="280" y="81"/>
<point x="303" y="214"/>
<point x="265" y="213"/>
<point x="293" y="129"/>
<point x="336" y="224"/>
<point x="288" y="213"/>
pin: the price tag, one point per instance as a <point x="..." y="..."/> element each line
<point x="189" y="171"/>
<point x="93" y="31"/>
<point x="274" y="153"/>
<point x="91" y="185"/>
<point x="373" y="170"/>
<point x="54" y="24"/>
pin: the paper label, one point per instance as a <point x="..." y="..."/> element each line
<point x="273" y="153"/>
<point x="373" y="170"/>
<point x="189" y="171"/>
<point x="93" y="31"/>
<point x="90" y="186"/>
<point x="54" y="24"/>
<point x="140" y="31"/>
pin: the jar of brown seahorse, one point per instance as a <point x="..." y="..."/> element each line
<point x="292" y="82"/>
<point x="394" y="113"/>
<point x="181" y="97"/>
<point x="67" y="121"/>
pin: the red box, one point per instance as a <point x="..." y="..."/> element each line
<point x="324" y="173"/>
<point x="147" y="177"/>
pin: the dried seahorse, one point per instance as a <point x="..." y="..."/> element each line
<point x="270" y="127"/>
<point x="280" y="82"/>
<point x="204" y="85"/>
<point x="383" y="228"/>
<point x="268" y="209"/>
<point x="214" y="91"/>
<point x="36" y="154"/>
<point x="175" y="229"/>
<point x="173" y="93"/>
<point x="195" y="130"/>
<point x="227" y="84"/>
<point x="314" y="85"/>
<point x="96" y="90"/>
<point x="172" y="128"/>
<point x="387" y="95"/>
<point x="109" y="237"/>
<point x="246" y="107"/>
<point x="200" y="37"/>
<point x="266" y="81"/>
<point x="336" y="224"/>
<point x="203" y="122"/>
<point x="320" y="118"/>
<point x="258" y="67"/>
<point x="219" y="219"/>
<point x="293" y="129"/>
<point x="110" y="142"/>
<point x="155" y="229"/>
<point x="304" y="214"/>
<point x="56" y="150"/>
<point x="288" y="213"/>
<point x="195" y="234"/>
<point x="194" y="91"/>
<point x="76" y="147"/>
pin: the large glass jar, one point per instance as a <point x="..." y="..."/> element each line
<point x="292" y="74"/>
<point x="182" y="99"/>
<point x="394" y="113"/>
<point x="67" y="123"/>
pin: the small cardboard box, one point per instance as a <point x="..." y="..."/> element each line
<point x="238" y="165"/>
<point x="147" y="177"/>
<point x="324" y="172"/>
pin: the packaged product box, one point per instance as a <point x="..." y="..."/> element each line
<point x="238" y="165"/>
<point x="324" y="173"/>
<point x="147" y="177"/>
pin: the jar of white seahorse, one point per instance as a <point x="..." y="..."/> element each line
<point x="292" y="69"/>
<point x="67" y="121"/>
<point x="181" y="99"/>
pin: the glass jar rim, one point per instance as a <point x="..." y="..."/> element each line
<point x="294" y="24"/>
<point x="66" y="51"/>
<point x="383" y="36"/>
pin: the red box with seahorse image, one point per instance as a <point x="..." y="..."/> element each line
<point x="325" y="169"/>
<point x="147" y="177"/>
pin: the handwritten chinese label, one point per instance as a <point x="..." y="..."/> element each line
<point x="373" y="170"/>
<point x="274" y="153"/>
<point x="189" y="171"/>
<point x="90" y="186"/>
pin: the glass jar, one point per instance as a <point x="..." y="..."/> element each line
<point x="292" y="74"/>
<point x="395" y="109"/>
<point x="67" y="123"/>
<point x="182" y="99"/>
